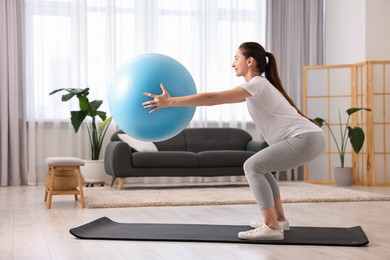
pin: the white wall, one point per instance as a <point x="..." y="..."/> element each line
<point x="378" y="30"/>
<point x="344" y="31"/>
<point x="356" y="31"/>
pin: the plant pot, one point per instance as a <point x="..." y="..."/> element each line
<point x="93" y="172"/>
<point x="343" y="176"/>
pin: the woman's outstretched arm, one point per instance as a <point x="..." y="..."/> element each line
<point x="234" y="95"/>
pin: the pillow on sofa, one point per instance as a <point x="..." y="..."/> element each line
<point x="140" y="146"/>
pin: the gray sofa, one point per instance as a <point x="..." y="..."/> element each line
<point x="193" y="152"/>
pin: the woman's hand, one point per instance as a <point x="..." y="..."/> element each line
<point x="159" y="101"/>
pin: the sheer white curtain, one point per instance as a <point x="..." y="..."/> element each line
<point x="80" y="43"/>
<point x="13" y="130"/>
<point x="295" y="35"/>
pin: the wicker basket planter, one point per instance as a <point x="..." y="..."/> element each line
<point x="64" y="181"/>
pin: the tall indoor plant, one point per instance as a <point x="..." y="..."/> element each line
<point x="88" y="109"/>
<point x="356" y="137"/>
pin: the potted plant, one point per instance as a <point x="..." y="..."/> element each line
<point x="93" y="171"/>
<point x="343" y="175"/>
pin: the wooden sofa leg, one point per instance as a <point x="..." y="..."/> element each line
<point x="121" y="183"/>
<point x="112" y="181"/>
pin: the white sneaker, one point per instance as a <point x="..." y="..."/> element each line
<point x="284" y="224"/>
<point x="262" y="233"/>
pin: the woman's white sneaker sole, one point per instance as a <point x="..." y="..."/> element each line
<point x="262" y="233"/>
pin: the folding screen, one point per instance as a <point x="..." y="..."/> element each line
<point x="327" y="94"/>
<point x="378" y="122"/>
<point x="361" y="166"/>
<point x="328" y="91"/>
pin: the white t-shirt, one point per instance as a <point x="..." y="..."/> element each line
<point x="272" y="113"/>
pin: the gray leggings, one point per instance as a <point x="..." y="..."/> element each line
<point x="283" y="155"/>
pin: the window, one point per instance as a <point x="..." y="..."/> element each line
<point x="80" y="43"/>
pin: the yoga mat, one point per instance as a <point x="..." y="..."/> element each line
<point x="106" y="229"/>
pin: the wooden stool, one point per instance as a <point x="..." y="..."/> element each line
<point x="56" y="164"/>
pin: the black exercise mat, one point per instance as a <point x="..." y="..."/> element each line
<point x="106" y="229"/>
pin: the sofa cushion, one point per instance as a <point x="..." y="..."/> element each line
<point x="225" y="158"/>
<point x="164" y="159"/>
<point x="207" y="139"/>
<point x="176" y="143"/>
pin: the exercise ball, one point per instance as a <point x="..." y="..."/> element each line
<point x="141" y="74"/>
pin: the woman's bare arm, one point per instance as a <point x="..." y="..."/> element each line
<point x="234" y="95"/>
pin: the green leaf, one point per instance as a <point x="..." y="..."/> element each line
<point x="77" y="118"/>
<point x="57" y="90"/>
<point x="356" y="136"/>
<point x="84" y="92"/>
<point x="72" y="92"/>
<point x="95" y="104"/>
<point x="102" y="115"/>
<point x="356" y="109"/>
<point x="67" y="97"/>
<point x="320" y="122"/>
<point x="83" y="103"/>
<point x="105" y="124"/>
<point x="78" y="91"/>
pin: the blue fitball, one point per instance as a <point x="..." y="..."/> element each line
<point x="141" y="74"/>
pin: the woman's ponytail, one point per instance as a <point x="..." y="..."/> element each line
<point x="271" y="72"/>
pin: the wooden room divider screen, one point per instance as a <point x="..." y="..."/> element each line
<point x="328" y="91"/>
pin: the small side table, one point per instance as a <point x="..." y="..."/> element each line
<point x="57" y="164"/>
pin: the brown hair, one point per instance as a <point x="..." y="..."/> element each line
<point x="270" y="69"/>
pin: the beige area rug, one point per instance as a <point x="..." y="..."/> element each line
<point x="291" y="192"/>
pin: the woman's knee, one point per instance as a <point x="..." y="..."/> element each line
<point x="247" y="166"/>
<point x="250" y="167"/>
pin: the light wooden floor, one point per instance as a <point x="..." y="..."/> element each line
<point x="30" y="231"/>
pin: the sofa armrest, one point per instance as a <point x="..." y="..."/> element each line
<point x="117" y="159"/>
<point x="256" y="146"/>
